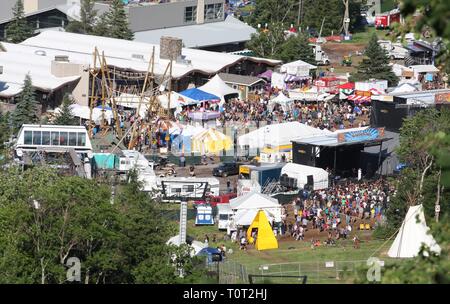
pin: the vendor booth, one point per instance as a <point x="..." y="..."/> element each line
<point x="211" y="141"/>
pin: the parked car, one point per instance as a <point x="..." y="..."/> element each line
<point x="226" y="169"/>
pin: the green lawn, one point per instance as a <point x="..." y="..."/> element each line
<point x="363" y="37"/>
<point x="297" y="257"/>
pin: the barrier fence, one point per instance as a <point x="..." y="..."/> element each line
<point x="339" y="272"/>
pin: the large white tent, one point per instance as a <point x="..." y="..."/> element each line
<point x="301" y="172"/>
<point x="412" y="234"/>
<point x="279" y="134"/>
<point x="257" y="201"/>
<point x="218" y="87"/>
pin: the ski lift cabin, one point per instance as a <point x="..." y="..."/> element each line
<point x="53" y="138"/>
<point x="64" y="147"/>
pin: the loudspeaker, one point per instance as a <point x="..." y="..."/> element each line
<point x="310" y="180"/>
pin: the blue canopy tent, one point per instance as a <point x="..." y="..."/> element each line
<point x="199" y="95"/>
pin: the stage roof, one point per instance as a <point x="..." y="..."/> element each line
<point x="332" y="141"/>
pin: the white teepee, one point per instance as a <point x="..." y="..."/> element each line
<point x="412" y="234"/>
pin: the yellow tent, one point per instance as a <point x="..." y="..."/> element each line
<point x="210" y="141"/>
<point x="265" y="238"/>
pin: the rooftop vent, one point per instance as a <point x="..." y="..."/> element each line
<point x="137" y="56"/>
<point x="62" y="58"/>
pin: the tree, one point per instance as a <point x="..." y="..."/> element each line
<point x="267" y="44"/>
<point x="434" y="15"/>
<point x="375" y="64"/>
<point x="87" y="21"/>
<point x="297" y="48"/>
<point x="119" y="22"/>
<point x="26" y="110"/>
<point x="18" y="29"/>
<point x="87" y="15"/>
<point x="113" y="23"/>
<point x="46" y="218"/>
<point x="65" y="117"/>
<point x="273" y="11"/>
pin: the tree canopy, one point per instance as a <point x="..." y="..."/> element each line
<point x="45" y="219"/>
<point x="375" y="64"/>
<point x="18" y="29"/>
<point x="65" y="117"/>
<point x="273" y="44"/>
<point x="27" y="107"/>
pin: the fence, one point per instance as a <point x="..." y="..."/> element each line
<point x="341" y="272"/>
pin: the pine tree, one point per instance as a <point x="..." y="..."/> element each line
<point x="18" y="29"/>
<point x="297" y="48"/>
<point x="26" y="109"/>
<point x="118" y="21"/>
<point x="88" y="15"/>
<point x="375" y="64"/>
<point x="66" y="117"/>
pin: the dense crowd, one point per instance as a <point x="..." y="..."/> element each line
<point x="324" y="115"/>
<point x="336" y="209"/>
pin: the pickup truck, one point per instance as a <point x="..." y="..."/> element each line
<point x="216" y="200"/>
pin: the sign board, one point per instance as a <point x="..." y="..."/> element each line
<point x="442" y="98"/>
<point x="437" y="208"/>
<point x="355" y="136"/>
<point x="329" y="264"/>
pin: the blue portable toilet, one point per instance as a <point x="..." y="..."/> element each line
<point x="204" y="216"/>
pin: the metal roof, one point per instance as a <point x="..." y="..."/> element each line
<point x="240" y="79"/>
<point x="332" y="141"/>
<point x="231" y="30"/>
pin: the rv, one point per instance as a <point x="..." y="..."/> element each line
<point x="225" y="215"/>
<point x="131" y="159"/>
<point x="394" y="50"/>
<point x="187" y="188"/>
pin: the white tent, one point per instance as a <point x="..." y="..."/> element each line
<point x="218" y="87"/>
<point x="279" y="134"/>
<point x="245" y="217"/>
<point x="83" y="112"/>
<point x="301" y="172"/>
<point x="282" y="99"/>
<point x="196" y="245"/>
<point x="412" y="235"/>
<point x="257" y="201"/>
<point x="297" y="68"/>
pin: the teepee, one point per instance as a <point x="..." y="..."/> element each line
<point x="412" y="234"/>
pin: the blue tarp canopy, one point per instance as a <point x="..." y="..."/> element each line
<point x="198" y="95"/>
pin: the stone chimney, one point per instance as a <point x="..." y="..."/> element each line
<point x="170" y="48"/>
<point x="200" y="11"/>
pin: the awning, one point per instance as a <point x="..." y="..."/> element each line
<point x="290" y="78"/>
<point x="359" y="98"/>
<point x="347" y="86"/>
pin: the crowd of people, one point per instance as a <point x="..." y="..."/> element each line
<point x="337" y="208"/>
<point x="323" y="115"/>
